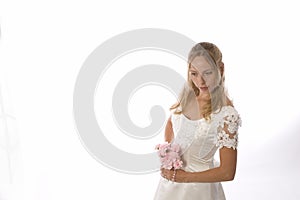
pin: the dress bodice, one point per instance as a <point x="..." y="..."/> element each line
<point x="200" y="139"/>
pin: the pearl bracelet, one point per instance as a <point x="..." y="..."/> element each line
<point x="174" y="174"/>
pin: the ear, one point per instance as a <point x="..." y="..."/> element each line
<point x="221" y="67"/>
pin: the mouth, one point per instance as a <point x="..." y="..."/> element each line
<point x="203" y="88"/>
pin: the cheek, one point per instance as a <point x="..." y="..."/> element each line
<point x="213" y="81"/>
<point x="192" y="78"/>
<point x="195" y="80"/>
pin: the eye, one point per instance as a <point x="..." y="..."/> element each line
<point x="193" y="73"/>
<point x="207" y="73"/>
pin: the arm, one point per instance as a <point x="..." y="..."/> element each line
<point x="169" y="134"/>
<point x="227" y="141"/>
<point x="225" y="172"/>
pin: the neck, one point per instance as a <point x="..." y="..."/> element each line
<point x="204" y="101"/>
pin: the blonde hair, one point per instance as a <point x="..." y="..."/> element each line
<point x="218" y="96"/>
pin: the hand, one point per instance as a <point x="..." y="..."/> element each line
<point x="179" y="175"/>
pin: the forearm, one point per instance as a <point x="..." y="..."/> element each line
<point x="212" y="175"/>
<point x="225" y="172"/>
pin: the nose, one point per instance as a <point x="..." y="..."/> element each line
<point x="201" y="81"/>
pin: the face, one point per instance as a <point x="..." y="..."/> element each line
<point x="203" y="74"/>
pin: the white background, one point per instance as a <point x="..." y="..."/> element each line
<point x="44" y="44"/>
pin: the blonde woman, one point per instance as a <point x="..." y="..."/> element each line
<point x="202" y="122"/>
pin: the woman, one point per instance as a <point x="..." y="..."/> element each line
<point x="204" y="120"/>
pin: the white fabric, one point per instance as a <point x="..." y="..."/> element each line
<point x="199" y="140"/>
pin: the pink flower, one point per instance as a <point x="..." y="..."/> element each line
<point x="175" y="147"/>
<point x="169" y="155"/>
<point x="177" y="164"/>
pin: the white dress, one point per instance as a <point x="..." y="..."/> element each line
<point x="199" y="141"/>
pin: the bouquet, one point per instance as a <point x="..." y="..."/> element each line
<point x="169" y="155"/>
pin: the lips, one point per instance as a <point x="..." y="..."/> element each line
<point x="203" y="88"/>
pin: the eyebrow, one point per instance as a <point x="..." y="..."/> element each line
<point x="207" y="70"/>
<point x="196" y="70"/>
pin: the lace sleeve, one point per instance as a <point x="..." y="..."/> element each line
<point x="227" y="131"/>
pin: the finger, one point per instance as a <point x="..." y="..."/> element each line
<point x="162" y="174"/>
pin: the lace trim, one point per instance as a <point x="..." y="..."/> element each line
<point x="225" y="141"/>
<point x="232" y="121"/>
